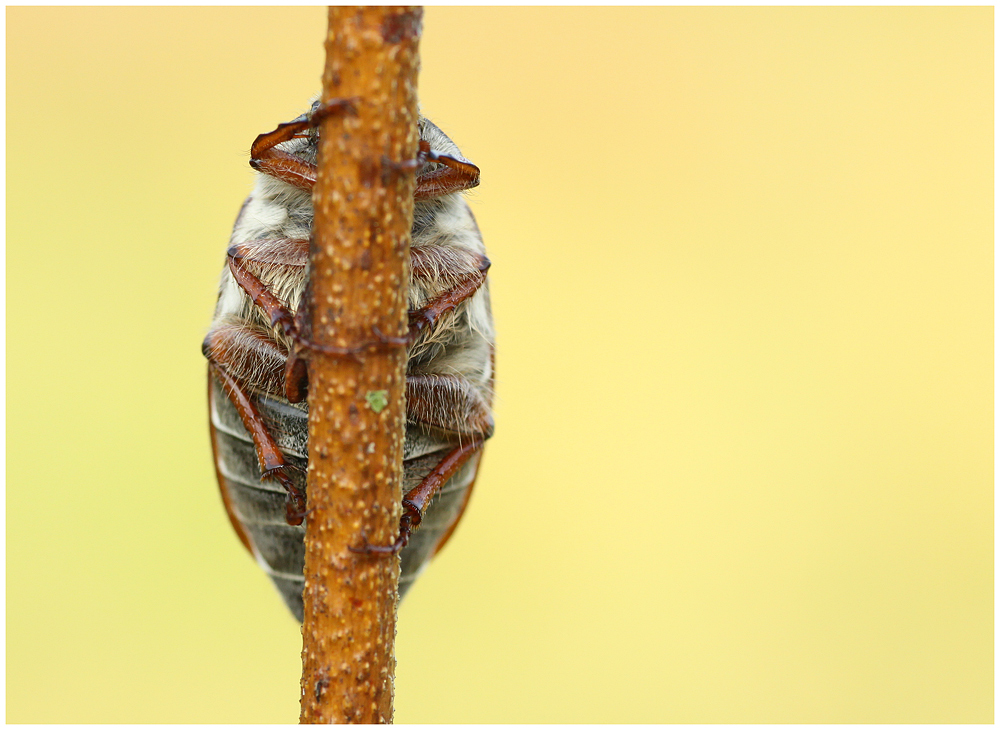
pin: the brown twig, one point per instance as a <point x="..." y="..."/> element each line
<point x="359" y="269"/>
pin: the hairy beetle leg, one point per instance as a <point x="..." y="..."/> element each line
<point x="467" y="411"/>
<point x="280" y="315"/>
<point x="262" y="296"/>
<point x="454" y="176"/>
<point x="235" y="346"/>
<point x="264" y="157"/>
<point x="269" y="455"/>
<point x="434" y="400"/>
<point x="423" y="319"/>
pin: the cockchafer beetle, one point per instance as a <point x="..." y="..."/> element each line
<point x="258" y="394"/>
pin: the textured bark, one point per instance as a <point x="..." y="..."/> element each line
<point x="359" y="272"/>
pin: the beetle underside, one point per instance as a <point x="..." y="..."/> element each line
<point x="257" y="346"/>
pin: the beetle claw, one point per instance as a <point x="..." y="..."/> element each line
<point x="277" y="472"/>
<point x="420" y="320"/>
<point x="295" y="498"/>
<point x="295" y="507"/>
<point x="368" y="549"/>
<point x="406" y="524"/>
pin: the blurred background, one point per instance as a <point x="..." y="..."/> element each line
<point x="743" y="281"/>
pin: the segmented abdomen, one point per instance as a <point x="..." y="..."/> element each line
<point x="259" y="506"/>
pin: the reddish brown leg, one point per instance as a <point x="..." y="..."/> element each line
<point x="458" y="515"/>
<point x="283" y="166"/>
<point x="456" y="175"/>
<point x="468" y="282"/>
<point x="227" y="501"/>
<point x="416" y="500"/>
<point x="242" y="355"/>
<point x="450" y="403"/>
<point x="280" y="315"/>
<point x="468" y="492"/>
<point x="263" y="297"/>
<point x="467" y="269"/>
<point x="269" y="457"/>
<point x="280" y="252"/>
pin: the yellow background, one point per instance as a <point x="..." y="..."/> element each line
<point x="742" y="274"/>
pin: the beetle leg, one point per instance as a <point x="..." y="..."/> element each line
<point x="425" y="317"/>
<point x="250" y="356"/>
<point x="269" y="457"/>
<point x="227" y="501"/>
<point x="430" y="263"/>
<point x="266" y="158"/>
<point x="280" y="315"/>
<point x="455" y="175"/>
<point x="468" y="270"/>
<point x="262" y="296"/>
<point x="416" y="387"/>
<point x="458" y="515"/>
<point x="468" y="492"/>
<point x="274" y="252"/>
<point x="448" y="402"/>
<point x="416" y="500"/>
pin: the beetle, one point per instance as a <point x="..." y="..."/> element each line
<point x="258" y="388"/>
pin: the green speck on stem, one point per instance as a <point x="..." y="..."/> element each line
<point x="377" y="399"/>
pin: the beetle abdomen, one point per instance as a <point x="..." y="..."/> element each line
<point x="259" y="505"/>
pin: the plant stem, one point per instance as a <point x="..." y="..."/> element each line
<point x="359" y="269"/>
